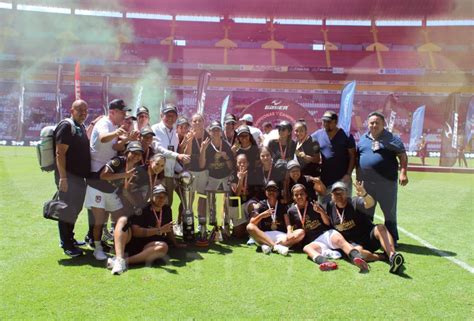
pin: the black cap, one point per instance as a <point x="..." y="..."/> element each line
<point x="292" y="164"/>
<point x="142" y="110"/>
<point x="271" y="185"/>
<point x="329" y="115"/>
<point x="284" y="124"/>
<point x="158" y="189"/>
<point x="229" y="118"/>
<point x="182" y="121"/>
<point x="129" y="115"/>
<point x="215" y="124"/>
<point x="118" y="104"/>
<point x="244" y="129"/>
<point x="134" y="146"/>
<point x="338" y="185"/>
<point x="147" y="131"/>
<point x="169" y="108"/>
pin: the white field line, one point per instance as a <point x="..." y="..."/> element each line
<point x="441" y="253"/>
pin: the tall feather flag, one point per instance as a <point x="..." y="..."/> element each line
<point x="203" y="82"/>
<point x="416" y="128"/>
<point x="77" y="80"/>
<point x="469" y="122"/>
<point x="449" y="135"/>
<point x="389" y="110"/>
<point x="347" y="101"/>
<point x="105" y="93"/>
<point x="139" y="100"/>
<point x="59" y="103"/>
<point x="225" y="103"/>
<point x="21" y="113"/>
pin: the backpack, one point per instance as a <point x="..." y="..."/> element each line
<point x="45" y="149"/>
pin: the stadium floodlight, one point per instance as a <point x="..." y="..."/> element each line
<point x="303" y="22"/>
<point x="398" y="23"/>
<point x="435" y="23"/>
<point x="149" y="16"/>
<point x="352" y="23"/>
<point x="249" y="20"/>
<point x="179" y="42"/>
<point x="318" y="46"/>
<point x="95" y="13"/>
<point x="198" y="18"/>
<point x="6" y="5"/>
<point x="27" y="7"/>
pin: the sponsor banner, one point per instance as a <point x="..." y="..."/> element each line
<point x="449" y="134"/>
<point x="11" y="142"/>
<point x="416" y="128"/>
<point x="345" y="112"/>
<point x="274" y="110"/>
<point x="469" y="122"/>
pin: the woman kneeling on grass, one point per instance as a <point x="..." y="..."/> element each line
<point x="144" y="241"/>
<point x="320" y="240"/>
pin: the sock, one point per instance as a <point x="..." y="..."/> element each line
<point x="354" y="254"/>
<point x="98" y="245"/>
<point x="319" y="259"/>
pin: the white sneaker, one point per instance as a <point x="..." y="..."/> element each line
<point x="120" y="266"/>
<point x="281" y="249"/>
<point x="110" y="263"/>
<point x="99" y="254"/>
<point x="330" y="254"/>
<point x="266" y="249"/>
<point x="251" y="241"/>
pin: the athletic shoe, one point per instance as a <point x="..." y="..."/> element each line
<point x="330" y="254"/>
<point x="363" y="266"/>
<point x="107" y="236"/>
<point x="396" y="262"/>
<point x="90" y="243"/>
<point x="328" y="266"/>
<point x="251" y="241"/>
<point x="99" y="254"/>
<point x="73" y="252"/>
<point x="266" y="249"/>
<point x="78" y="243"/>
<point x="281" y="249"/>
<point x="120" y="266"/>
<point x="110" y="263"/>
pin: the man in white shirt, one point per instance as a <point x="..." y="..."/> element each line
<point x="247" y="119"/>
<point x="167" y="143"/>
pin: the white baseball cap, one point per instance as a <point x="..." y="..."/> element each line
<point x="247" y="117"/>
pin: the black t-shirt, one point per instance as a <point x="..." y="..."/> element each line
<point x="196" y="151"/>
<point x="313" y="223"/>
<point x="148" y="220"/>
<point x="216" y="165"/>
<point x="117" y="165"/>
<point x="253" y="187"/>
<point x="266" y="223"/>
<point x="356" y="226"/>
<point x="252" y="153"/>
<point x="78" y="156"/>
<point x="310" y="148"/>
<point x="288" y="150"/>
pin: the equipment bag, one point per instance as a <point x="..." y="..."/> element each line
<point x="53" y="208"/>
<point x="45" y="149"/>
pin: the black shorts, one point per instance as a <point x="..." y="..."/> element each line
<point x="370" y="243"/>
<point x="136" y="245"/>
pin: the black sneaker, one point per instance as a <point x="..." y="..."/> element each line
<point x="73" y="252"/>
<point x="396" y="262"/>
<point x="78" y="243"/>
<point x="90" y="243"/>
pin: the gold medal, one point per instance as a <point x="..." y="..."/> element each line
<point x="274" y="226"/>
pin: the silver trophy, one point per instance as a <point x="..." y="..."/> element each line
<point x="185" y="180"/>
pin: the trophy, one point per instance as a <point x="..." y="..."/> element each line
<point x="185" y="180"/>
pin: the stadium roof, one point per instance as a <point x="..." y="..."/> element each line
<point x="335" y="9"/>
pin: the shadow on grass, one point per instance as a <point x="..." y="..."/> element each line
<point x="422" y="250"/>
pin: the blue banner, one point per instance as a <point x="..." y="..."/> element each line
<point x="225" y="103"/>
<point x="345" y="113"/>
<point x="469" y="122"/>
<point x="416" y="128"/>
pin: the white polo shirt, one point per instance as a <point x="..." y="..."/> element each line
<point x="163" y="140"/>
<point x="101" y="153"/>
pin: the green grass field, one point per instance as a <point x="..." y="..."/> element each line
<point x="232" y="281"/>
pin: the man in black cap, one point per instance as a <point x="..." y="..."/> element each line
<point x="167" y="143"/>
<point x="143" y="117"/>
<point x="229" y="128"/>
<point x="338" y="153"/>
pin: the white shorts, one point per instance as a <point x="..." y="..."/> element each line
<point x="200" y="181"/>
<point x="214" y="183"/>
<point x="107" y="201"/>
<point x="275" y="236"/>
<point x="324" y="240"/>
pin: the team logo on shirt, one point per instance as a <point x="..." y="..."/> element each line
<point x="98" y="198"/>
<point x="115" y="162"/>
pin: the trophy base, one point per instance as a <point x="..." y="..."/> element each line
<point x="202" y="243"/>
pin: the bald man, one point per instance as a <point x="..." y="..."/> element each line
<point x="73" y="162"/>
